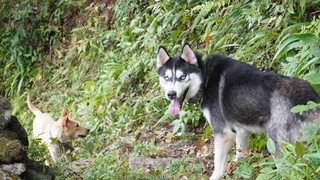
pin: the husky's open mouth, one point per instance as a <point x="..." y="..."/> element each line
<point x="176" y="104"/>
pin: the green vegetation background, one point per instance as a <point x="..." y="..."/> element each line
<point x="98" y="58"/>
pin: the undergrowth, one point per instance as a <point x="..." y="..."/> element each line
<point x="98" y="58"/>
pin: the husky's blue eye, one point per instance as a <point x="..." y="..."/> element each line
<point x="183" y="77"/>
<point x="166" y="78"/>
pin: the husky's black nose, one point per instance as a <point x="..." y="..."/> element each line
<point x="172" y="95"/>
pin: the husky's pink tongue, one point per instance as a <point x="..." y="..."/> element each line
<point x="174" y="107"/>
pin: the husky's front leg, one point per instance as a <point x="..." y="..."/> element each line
<point x="222" y="144"/>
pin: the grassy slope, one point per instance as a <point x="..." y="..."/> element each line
<point x="104" y="72"/>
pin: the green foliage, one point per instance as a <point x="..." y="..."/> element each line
<point x="271" y="145"/>
<point x="224" y="28"/>
<point x="302" y="108"/>
<point x="191" y="117"/>
<point x="300" y="160"/>
<point x="179" y="168"/>
<point x="301" y="51"/>
<point x="247" y="168"/>
<point x="29" y="31"/>
<point x="258" y="141"/>
<point x="67" y="54"/>
<point x="297" y="161"/>
<point x="37" y="150"/>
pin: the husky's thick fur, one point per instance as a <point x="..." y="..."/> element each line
<point x="236" y="99"/>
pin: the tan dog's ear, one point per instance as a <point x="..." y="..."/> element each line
<point x="64" y="112"/>
<point x="64" y="121"/>
<point x="64" y="117"/>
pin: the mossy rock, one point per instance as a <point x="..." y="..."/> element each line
<point x="15" y="126"/>
<point x="37" y="171"/>
<point x="8" y="175"/>
<point x="11" y="147"/>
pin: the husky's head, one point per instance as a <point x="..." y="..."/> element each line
<point x="179" y="76"/>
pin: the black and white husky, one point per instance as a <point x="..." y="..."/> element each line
<point x="236" y="99"/>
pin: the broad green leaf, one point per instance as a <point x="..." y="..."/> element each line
<point x="284" y="46"/>
<point x="182" y="114"/>
<point x="162" y="119"/>
<point x="290" y="9"/>
<point x="278" y="21"/>
<point x="264" y="176"/>
<point x="300" y="150"/>
<point x="313" y="78"/>
<point x="299" y="167"/>
<point x="177" y="18"/>
<point x="315" y="50"/>
<point x="271" y="146"/>
<point x="310" y="62"/>
<point x="177" y="124"/>
<point x="302" y="6"/>
<point x="294" y="27"/>
<point x="301" y="108"/>
<point x="312" y="155"/>
<point x="138" y="30"/>
<point x="307" y="38"/>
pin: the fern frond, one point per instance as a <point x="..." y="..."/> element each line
<point x="205" y="8"/>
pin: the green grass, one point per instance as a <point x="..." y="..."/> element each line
<point x="64" y="54"/>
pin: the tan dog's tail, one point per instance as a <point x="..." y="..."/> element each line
<point x="34" y="109"/>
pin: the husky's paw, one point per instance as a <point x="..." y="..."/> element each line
<point x="237" y="158"/>
<point x="239" y="154"/>
<point x="216" y="176"/>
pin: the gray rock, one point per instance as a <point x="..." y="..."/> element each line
<point x="148" y="163"/>
<point x="5" y="112"/>
<point x="36" y="171"/>
<point x="15" y="126"/>
<point x="12" y="150"/>
<point x="14" y="162"/>
<point x="16" y="168"/>
<point x="6" y="175"/>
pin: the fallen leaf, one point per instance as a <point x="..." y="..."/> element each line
<point x="169" y="137"/>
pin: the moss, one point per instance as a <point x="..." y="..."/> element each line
<point x="11" y="148"/>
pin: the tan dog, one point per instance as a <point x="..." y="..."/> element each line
<point x="47" y="129"/>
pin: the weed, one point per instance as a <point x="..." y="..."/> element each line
<point x="65" y="54"/>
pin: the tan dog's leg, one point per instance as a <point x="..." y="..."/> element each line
<point x="54" y="151"/>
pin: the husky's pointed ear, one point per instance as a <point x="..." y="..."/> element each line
<point x="188" y="55"/>
<point x="162" y="57"/>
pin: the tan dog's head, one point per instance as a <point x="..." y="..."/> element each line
<point x="70" y="128"/>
